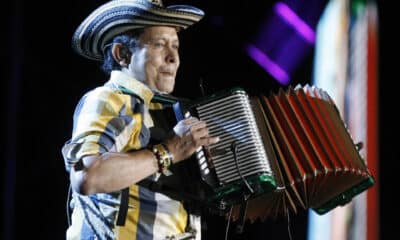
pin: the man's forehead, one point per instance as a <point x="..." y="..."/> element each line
<point x="167" y="32"/>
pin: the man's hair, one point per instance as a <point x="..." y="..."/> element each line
<point x="129" y="42"/>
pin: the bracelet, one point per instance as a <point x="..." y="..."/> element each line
<point x="163" y="156"/>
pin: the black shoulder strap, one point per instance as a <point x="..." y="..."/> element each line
<point x="123" y="207"/>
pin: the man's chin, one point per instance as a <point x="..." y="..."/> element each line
<point x="168" y="85"/>
<point x="165" y="89"/>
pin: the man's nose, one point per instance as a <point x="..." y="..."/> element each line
<point x="172" y="55"/>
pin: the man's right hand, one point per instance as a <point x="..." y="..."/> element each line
<point x="190" y="134"/>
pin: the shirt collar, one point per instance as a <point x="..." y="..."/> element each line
<point x="130" y="85"/>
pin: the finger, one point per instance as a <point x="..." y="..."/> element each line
<point x="204" y="141"/>
<point x="190" y="120"/>
<point x="183" y="126"/>
<point x="198" y="126"/>
<point x="194" y="128"/>
<point x="198" y="133"/>
<point x="209" y="141"/>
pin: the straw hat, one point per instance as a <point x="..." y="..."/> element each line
<point x="119" y="16"/>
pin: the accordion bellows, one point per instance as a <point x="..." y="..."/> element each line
<point x="317" y="163"/>
<point x="283" y="152"/>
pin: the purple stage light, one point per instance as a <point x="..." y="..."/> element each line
<point x="290" y="17"/>
<point x="267" y="64"/>
<point x="283" y="42"/>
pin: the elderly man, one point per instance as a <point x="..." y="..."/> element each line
<point x="112" y="147"/>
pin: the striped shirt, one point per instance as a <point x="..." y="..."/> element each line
<point x="115" y="118"/>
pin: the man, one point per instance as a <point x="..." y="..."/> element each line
<point x="112" y="148"/>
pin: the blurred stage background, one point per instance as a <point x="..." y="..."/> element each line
<point x="341" y="45"/>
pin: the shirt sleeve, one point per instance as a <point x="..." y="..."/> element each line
<point x="102" y="123"/>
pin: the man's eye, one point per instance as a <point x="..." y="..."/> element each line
<point x="158" y="44"/>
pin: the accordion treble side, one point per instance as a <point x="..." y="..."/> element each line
<point x="238" y="164"/>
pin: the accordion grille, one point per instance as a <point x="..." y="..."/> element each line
<point x="232" y="120"/>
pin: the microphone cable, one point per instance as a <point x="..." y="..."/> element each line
<point x="234" y="150"/>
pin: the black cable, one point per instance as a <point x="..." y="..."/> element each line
<point x="234" y="150"/>
<point x="229" y="220"/>
<point x="201" y="85"/>
<point x="288" y="223"/>
<point x="239" y="227"/>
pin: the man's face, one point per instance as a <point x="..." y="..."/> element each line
<point x="156" y="61"/>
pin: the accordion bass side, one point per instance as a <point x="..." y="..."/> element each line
<point x="286" y="151"/>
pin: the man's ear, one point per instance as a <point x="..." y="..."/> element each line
<point x="120" y="54"/>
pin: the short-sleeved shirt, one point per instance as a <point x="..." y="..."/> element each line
<point x="115" y="118"/>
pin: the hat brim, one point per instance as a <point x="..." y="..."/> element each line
<point x="119" y="16"/>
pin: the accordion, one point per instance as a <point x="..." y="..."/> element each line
<point x="286" y="151"/>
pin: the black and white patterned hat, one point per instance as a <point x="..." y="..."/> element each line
<point x="118" y="16"/>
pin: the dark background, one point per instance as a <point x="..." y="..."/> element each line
<point x="42" y="80"/>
